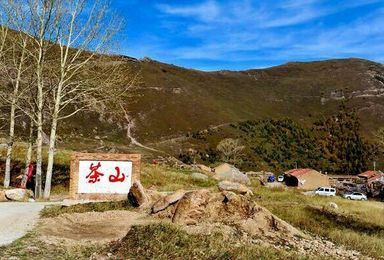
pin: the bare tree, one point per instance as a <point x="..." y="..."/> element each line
<point x="83" y="34"/>
<point x="230" y="149"/>
<point x="44" y="17"/>
<point x="13" y="62"/>
<point x="34" y="23"/>
<point x="3" y="37"/>
<point x="66" y="42"/>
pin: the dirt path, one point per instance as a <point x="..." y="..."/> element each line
<point x="16" y="219"/>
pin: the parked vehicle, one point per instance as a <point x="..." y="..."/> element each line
<point x="271" y="178"/>
<point x="325" y="191"/>
<point x="280" y="178"/>
<point x="354" y="196"/>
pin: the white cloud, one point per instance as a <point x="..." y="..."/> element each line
<point x="206" y="11"/>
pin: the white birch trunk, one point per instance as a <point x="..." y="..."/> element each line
<point x="52" y="142"/>
<point x="39" y="142"/>
<point x="39" y="126"/>
<point x="7" y="178"/>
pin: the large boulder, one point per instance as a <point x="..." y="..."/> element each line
<point x="234" y="187"/>
<point x="137" y="196"/>
<point x="18" y="194"/>
<point x="202" y="210"/>
<point x="227" y="172"/>
<point x="168" y="200"/>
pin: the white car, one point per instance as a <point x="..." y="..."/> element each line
<point x="354" y="196"/>
<point x="280" y="178"/>
<point x="325" y="191"/>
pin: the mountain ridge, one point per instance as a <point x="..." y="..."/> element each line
<point x="171" y="101"/>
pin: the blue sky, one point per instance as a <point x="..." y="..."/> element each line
<point x="244" y="34"/>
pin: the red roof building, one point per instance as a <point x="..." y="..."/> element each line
<point x="370" y="176"/>
<point x="306" y="179"/>
<point x="298" y="172"/>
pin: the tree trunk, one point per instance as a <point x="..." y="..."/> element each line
<point x="52" y="142"/>
<point x="7" y="178"/>
<point x="28" y="157"/>
<point x="39" y="138"/>
<point x="39" y="146"/>
<point x="39" y="116"/>
<point x="51" y="154"/>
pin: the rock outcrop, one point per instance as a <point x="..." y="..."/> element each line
<point x="190" y="209"/>
<point x="137" y="195"/>
<point x="168" y="200"/>
<point x="203" y="209"/>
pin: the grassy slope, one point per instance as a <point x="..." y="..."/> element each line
<point x="170" y="101"/>
<point x="174" y="243"/>
<point x="356" y="225"/>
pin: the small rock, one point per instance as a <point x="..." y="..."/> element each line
<point x="228" y="196"/>
<point x="234" y="187"/>
<point x="18" y="194"/>
<point x="33" y="249"/>
<point x="137" y="196"/>
<point x="2" y="196"/>
<point x="333" y="205"/>
<point x="204" y="168"/>
<point x="168" y="200"/>
<point x="199" y="176"/>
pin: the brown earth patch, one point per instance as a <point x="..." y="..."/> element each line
<point x="91" y="226"/>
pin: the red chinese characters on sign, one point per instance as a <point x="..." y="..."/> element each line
<point x="120" y="177"/>
<point x="94" y="176"/>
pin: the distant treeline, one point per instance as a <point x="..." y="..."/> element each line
<point x="332" y="145"/>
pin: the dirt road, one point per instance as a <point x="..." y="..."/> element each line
<point x="16" y="219"/>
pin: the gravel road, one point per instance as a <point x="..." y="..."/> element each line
<point x="17" y="218"/>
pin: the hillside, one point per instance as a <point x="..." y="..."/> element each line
<point x="170" y="101"/>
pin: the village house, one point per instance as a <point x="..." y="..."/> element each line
<point x="374" y="182"/>
<point x="347" y="179"/>
<point x="371" y="176"/>
<point x="306" y="179"/>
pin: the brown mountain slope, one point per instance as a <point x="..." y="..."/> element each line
<point x="170" y="101"/>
